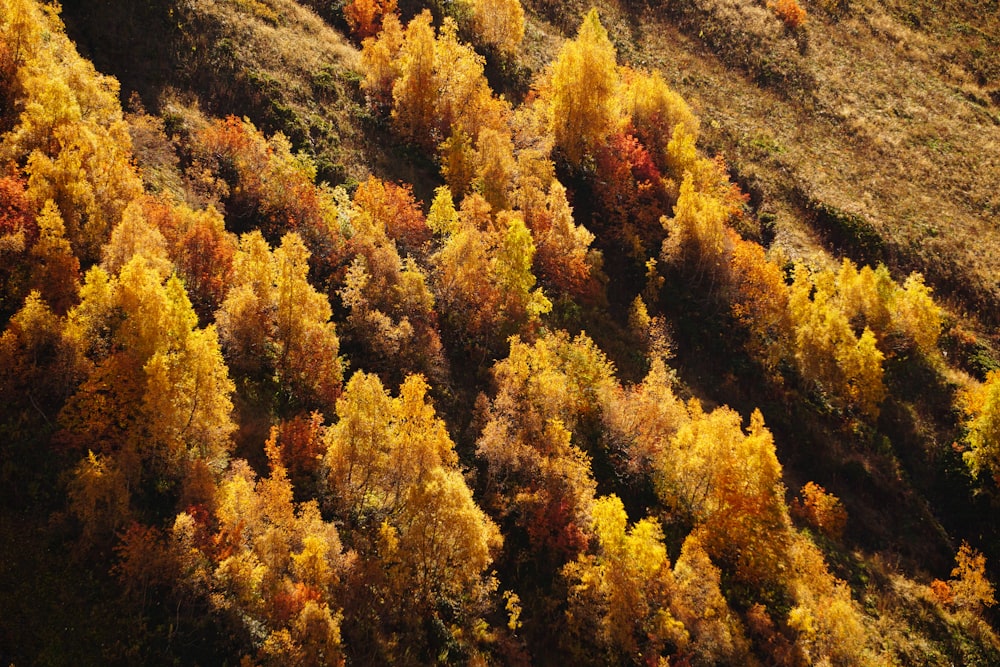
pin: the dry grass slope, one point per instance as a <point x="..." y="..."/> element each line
<point x="272" y="60"/>
<point x="872" y="131"/>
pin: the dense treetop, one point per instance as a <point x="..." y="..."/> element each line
<point x="541" y="415"/>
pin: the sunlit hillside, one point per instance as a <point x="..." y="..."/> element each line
<point x="387" y="332"/>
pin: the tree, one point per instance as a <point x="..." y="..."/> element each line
<point x="759" y="303"/>
<point x="826" y="623"/>
<point x="300" y="442"/>
<point x="655" y="111"/>
<point x="631" y="193"/>
<point x="716" y="635"/>
<point x="368" y="475"/>
<point x="271" y="565"/>
<point x="496" y="167"/>
<point x="549" y="394"/>
<point x="276" y="327"/>
<point x="380" y="63"/>
<point x="136" y="236"/>
<point x="414" y="94"/>
<point x="424" y="544"/>
<point x="827" y="351"/>
<point x="458" y="162"/>
<point x="99" y="498"/>
<point x="442" y="219"/>
<point x="484" y="279"/>
<point x="620" y="596"/>
<point x="511" y="269"/>
<point x="469" y="300"/>
<point x="442" y="542"/>
<point x="789" y="11"/>
<point x="969" y="585"/>
<point x="199" y="246"/>
<point x="697" y="240"/>
<point x="566" y="263"/>
<point x="641" y="421"/>
<point x="901" y="318"/>
<point x="391" y="306"/>
<point x="981" y="404"/>
<point x="727" y="484"/>
<point x="915" y="315"/>
<point x="18" y="232"/>
<point x="70" y="134"/>
<point x="820" y="510"/>
<point x="465" y="102"/>
<point x="159" y="395"/>
<point x="364" y="17"/>
<point x="584" y="83"/>
<point x="392" y="209"/>
<point x="864" y="296"/>
<point x="499" y="24"/>
<point x="56" y="270"/>
<point x="39" y="369"/>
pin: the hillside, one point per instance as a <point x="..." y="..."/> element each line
<point x="510" y="333"/>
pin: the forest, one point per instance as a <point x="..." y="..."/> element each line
<point x="378" y="332"/>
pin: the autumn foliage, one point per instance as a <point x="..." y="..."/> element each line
<point x="583" y="88"/>
<point x="365" y="16"/>
<point x="310" y="424"/>
<point x="789" y="11"/>
<point x="820" y="510"/>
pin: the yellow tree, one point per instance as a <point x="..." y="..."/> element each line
<point x="271" y="564"/>
<point x="655" y="110"/>
<point x="134" y="235"/>
<point x="902" y="318"/>
<point x="39" y="369"/>
<point x="619" y="597"/>
<point x="496" y="167"/>
<point x="641" y="420"/>
<point x="56" y="270"/>
<point x="380" y="62"/>
<point x="727" y="483"/>
<point x="307" y="362"/>
<point x="827" y="625"/>
<point x="155" y="408"/>
<point x="469" y="299"/>
<point x="442" y="219"/>
<point x="583" y="91"/>
<point x="70" y="133"/>
<point x="158" y="398"/>
<point x="275" y="327"/>
<point x="759" y="303"/>
<point x="415" y="92"/>
<point x="484" y="279"/>
<point x="441" y="543"/>
<point x="697" y="240"/>
<point x="982" y="408"/>
<point x="565" y="259"/>
<point x="827" y="352"/>
<point x="969" y="585"/>
<point x="425" y="545"/>
<point x="716" y="635"/>
<point x="915" y="315"/>
<point x="458" y="162"/>
<point x="864" y="296"/>
<point x="549" y="395"/>
<point x="391" y="306"/>
<point x="465" y="101"/>
<point x="499" y="24"/>
<point x="511" y="271"/>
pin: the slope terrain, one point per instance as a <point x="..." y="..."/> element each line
<point x="257" y="359"/>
